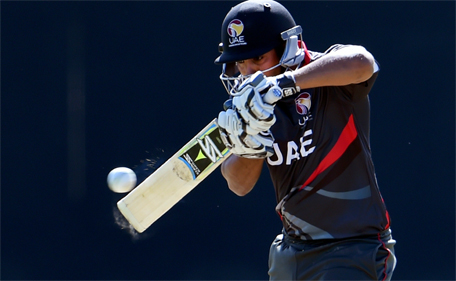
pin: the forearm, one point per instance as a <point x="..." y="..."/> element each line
<point x="350" y="65"/>
<point x="241" y="174"/>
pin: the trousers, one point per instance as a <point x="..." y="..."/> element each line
<point x="356" y="258"/>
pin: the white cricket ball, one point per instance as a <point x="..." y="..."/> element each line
<point x="121" y="180"/>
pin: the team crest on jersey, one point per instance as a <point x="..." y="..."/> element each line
<point x="303" y="104"/>
<point x="234" y="30"/>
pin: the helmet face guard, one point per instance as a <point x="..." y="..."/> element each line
<point x="231" y="78"/>
<point x="253" y="28"/>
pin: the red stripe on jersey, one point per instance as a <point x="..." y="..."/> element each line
<point x="385" y="268"/>
<point x="347" y="136"/>
<point x="302" y="45"/>
<point x="387" y="217"/>
<point x="388" y="220"/>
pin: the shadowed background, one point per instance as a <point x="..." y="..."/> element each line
<point x="90" y="86"/>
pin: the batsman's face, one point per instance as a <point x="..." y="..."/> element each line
<point x="263" y="62"/>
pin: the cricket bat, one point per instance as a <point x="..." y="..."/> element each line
<point x="179" y="175"/>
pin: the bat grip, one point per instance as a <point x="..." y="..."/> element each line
<point x="286" y="86"/>
<point x="273" y="95"/>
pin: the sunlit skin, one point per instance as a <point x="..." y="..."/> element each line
<point x="349" y="65"/>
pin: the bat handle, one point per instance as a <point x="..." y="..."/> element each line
<point x="273" y="95"/>
<point x="286" y="86"/>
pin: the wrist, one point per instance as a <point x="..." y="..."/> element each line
<point x="287" y="83"/>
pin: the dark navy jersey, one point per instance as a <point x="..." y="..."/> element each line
<point x="322" y="169"/>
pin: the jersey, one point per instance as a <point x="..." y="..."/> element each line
<point x="322" y="169"/>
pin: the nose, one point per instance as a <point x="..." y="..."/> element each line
<point x="250" y="68"/>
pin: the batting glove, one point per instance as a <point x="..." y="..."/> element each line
<point x="283" y="85"/>
<point x="234" y="135"/>
<point x="254" y="99"/>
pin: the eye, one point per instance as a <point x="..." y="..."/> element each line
<point x="259" y="58"/>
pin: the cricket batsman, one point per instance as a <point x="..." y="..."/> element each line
<point x="304" y="114"/>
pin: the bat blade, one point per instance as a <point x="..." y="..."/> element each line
<point x="174" y="179"/>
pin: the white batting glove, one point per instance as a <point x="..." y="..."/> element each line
<point x="254" y="99"/>
<point x="258" y="115"/>
<point x="234" y="135"/>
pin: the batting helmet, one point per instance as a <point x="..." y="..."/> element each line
<point x="253" y="28"/>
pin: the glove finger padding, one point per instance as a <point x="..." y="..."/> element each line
<point x="231" y="128"/>
<point x="263" y="146"/>
<point x="258" y="115"/>
<point x="234" y="136"/>
<point x="230" y="121"/>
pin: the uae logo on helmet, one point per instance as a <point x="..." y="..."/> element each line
<point x="234" y="30"/>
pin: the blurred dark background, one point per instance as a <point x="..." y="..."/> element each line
<point x="90" y="86"/>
